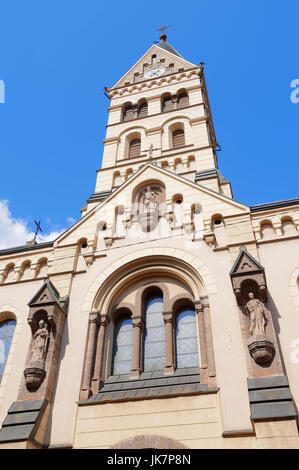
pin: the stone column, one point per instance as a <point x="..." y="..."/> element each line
<point x="169" y="343"/>
<point x="209" y="337"/>
<point x="88" y="365"/>
<point x="138" y="324"/>
<point x="202" y="335"/>
<point x="97" y="380"/>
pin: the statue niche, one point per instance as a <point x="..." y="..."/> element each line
<point x="260" y="346"/>
<point x="35" y="372"/>
<point x="147" y="202"/>
<point x="249" y="285"/>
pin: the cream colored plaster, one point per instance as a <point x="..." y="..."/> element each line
<point x="9" y="312"/>
<point x="103" y="425"/>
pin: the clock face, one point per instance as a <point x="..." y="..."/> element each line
<point x="155" y="72"/>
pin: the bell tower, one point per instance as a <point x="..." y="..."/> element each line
<point x="159" y="113"/>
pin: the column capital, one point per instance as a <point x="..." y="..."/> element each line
<point x="103" y="319"/>
<point x="93" y="316"/>
<point x="205" y="301"/>
<point x="168" y="317"/>
<point x="138" y="321"/>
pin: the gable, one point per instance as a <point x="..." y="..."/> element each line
<point x="170" y="62"/>
<point x="47" y="293"/>
<point x="210" y="201"/>
<point x="245" y="263"/>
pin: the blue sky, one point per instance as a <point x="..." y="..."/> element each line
<point x="57" y="56"/>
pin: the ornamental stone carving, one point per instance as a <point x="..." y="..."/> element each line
<point x="249" y="284"/>
<point x="149" y="210"/>
<point x="46" y="319"/>
<point x="260" y="346"/>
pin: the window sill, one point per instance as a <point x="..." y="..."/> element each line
<point x="151" y="385"/>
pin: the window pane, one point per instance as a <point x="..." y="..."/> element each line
<point x="122" y="347"/>
<point x="7" y="329"/>
<point x="186" y="339"/>
<point x="154" y="335"/>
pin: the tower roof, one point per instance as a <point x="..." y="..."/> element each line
<point x="165" y="45"/>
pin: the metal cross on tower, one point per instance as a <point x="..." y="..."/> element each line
<point x="38" y="229"/>
<point x="163" y="27"/>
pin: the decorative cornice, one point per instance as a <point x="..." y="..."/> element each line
<point x="150" y="83"/>
<point x="274" y="205"/>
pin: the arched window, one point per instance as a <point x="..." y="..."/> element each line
<point x="135" y="148"/>
<point x="186" y="338"/>
<point x="183" y="99"/>
<point x="142" y="110"/>
<point x="122" y="346"/>
<point x="128" y="113"/>
<point x="154" y="335"/>
<point x="7" y="329"/>
<point x="178" y="138"/>
<point x="167" y="103"/>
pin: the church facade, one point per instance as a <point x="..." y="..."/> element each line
<point x="168" y="315"/>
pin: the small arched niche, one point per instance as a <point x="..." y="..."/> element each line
<point x="26" y="270"/>
<point x="10" y="273"/>
<point x="42" y="267"/>
<point x="139" y="195"/>
<point x="218" y="227"/>
<point x="267" y="230"/>
<point x="197" y="217"/>
<point x="101" y="230"/>
<point x="288" y="226"/>
<point x="119" y="218"/>
<point x="247" y="286"/>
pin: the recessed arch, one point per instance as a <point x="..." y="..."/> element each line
<point x="175" y="262"/>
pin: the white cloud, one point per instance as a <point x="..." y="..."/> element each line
<point x="14" y="232"/>
<point x="71" y="220"/>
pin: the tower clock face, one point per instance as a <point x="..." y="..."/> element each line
<point x="155" y="72"/>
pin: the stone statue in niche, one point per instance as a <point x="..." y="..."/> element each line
<point x="149" y="210"/>
<point x="40" y="343"/>
<point x="149" y="198"/>
<point x="257" y="315"/>
<point x="35" y="373"/>
<point x="260" y="345"/>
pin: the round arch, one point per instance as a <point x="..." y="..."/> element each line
<point x="184" y="266"/>
<point x="149" y="441"/>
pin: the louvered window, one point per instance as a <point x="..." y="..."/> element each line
<point x="167" y="104"/>
<point x="178" y="138"/>
<point x="183" y="100"/>
<point x="128" y="113"/>
<point x="142" y="111"/>
<point x="135" y="148"/>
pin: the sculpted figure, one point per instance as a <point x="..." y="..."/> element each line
<point x="40" y="339"/>
<point x="149" y="197"/>
<point x="257" y="315"/>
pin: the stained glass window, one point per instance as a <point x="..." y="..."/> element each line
<point x="186" y="339"/>
<point x="122" y="346"/>
<point x="154" y="334"/>
<point x="7" y="329"/>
